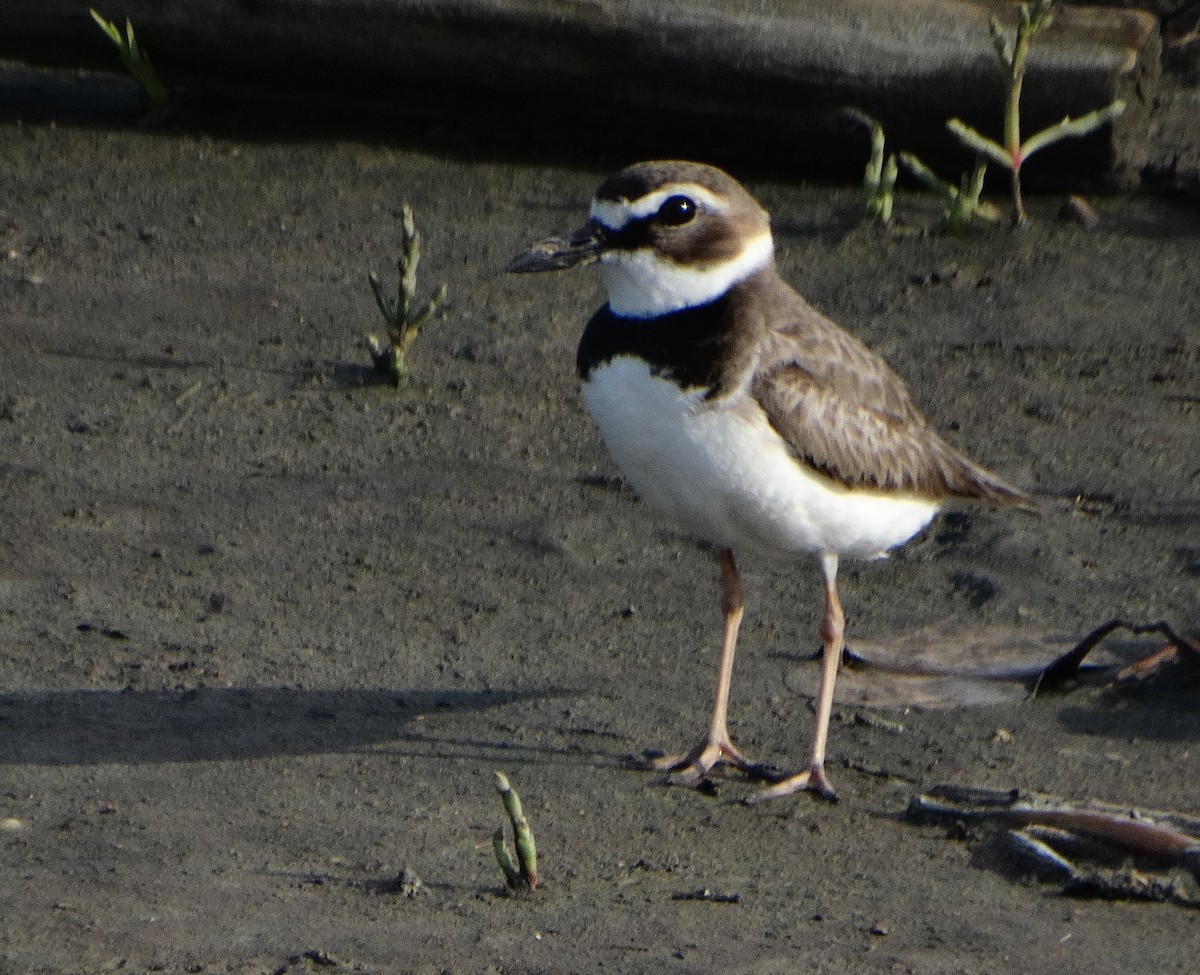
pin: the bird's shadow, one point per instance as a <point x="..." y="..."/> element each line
<point x="96" y="727"/>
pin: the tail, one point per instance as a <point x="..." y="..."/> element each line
<point x="964" y="478"/>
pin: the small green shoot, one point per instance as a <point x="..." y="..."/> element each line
<point x="403" y="319"/>
<point x="879" y="180"/>
<point x="963" y="203"/>
<point x="156" y="94"/>
<point x="1035" y="17"/>
<point x="520" y="877"/>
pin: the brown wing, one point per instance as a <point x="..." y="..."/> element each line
<point x="842" y="409"/>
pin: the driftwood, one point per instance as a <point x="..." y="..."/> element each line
<point x="741" y="82"/>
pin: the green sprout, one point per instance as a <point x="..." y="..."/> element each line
<point x="963" y="203"/>
<point x="1035" y="17"/>
<point x="879" y="180"/>
<point x="156" y="95"/>
<point x="403" y="320"/>
<point x="520" y="877"/>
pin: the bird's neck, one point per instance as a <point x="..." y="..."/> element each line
<point x="706" y="347"/>
<point x="644" y="284"/>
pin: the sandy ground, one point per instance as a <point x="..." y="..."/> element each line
<point x="267" y="628"/>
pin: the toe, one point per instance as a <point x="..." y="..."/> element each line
<point x="814" y="780"/>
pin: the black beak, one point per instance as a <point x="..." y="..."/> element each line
<point x="558" y="253"/>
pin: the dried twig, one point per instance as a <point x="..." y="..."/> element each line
<point x="1142" y="831"/>
<point x="1067" y="666"/>
<point x="1049" y="827"/>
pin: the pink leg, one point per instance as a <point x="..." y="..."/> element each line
<point x="833" y="634"/>
<point x="717" y="748"/>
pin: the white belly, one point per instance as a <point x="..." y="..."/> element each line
<point x="730" y="479"/>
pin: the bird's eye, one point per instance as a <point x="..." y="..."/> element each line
<point x="676" y="211"/>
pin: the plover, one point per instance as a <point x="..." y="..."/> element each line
<point x="737" y="409"/>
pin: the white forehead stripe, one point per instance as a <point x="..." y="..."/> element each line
<point x="616" y="214"/>
<point x="644" y="284"/>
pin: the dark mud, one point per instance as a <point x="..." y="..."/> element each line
<point x="267" y="627"/>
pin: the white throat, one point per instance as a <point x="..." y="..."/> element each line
<point x="644" y="284"/>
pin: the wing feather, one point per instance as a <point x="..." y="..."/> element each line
<point x="843" y="410"/>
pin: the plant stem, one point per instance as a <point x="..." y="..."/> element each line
<point x="982" y="145"/>
<point x="512" y="877"/>
<point x="1016" y="80"/>
<point x="404" y="324"/>
<point x="522" y="833"/>
<point x="1072" y="127"/>
<point x="963" y="203"/>
<point x="156" y="95"/>
<point x="410" y="258"/>
<point x="879" y="180"/>
<point x="1034" y="18"/>
<point x="1018" y="203"/>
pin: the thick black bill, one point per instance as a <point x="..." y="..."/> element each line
<point x="558" y="253"/>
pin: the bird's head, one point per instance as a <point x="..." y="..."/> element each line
<point x="667" y="236"/>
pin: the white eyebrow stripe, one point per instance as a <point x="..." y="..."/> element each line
<point x="617" y="214"/>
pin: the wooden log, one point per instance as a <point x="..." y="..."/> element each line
<point x="760" y="83"/>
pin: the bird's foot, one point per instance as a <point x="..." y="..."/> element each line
<point x="691" y="769"/>
<point x="814" y="780"/>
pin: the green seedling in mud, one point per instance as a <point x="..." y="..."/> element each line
<point x="1035" y="17"/>
<point x="404" y="320"/>
<point x="879" y="180"/>
<point x="156" y="94"/>
<point x="520" y="877"/>
<point x="963" y="203"/>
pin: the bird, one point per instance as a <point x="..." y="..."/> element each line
<point x="734" y="407"/>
